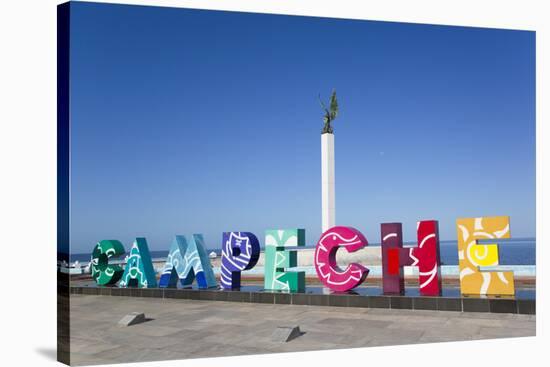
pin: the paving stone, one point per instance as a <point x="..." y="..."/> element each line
<point x="504" y="332"/>
<point x="354" y="323"/>
<point x="186" y="328"/>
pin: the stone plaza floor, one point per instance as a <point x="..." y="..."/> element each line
<point x="180" y="329"/>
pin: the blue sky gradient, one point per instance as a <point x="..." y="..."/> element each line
<point x="189" y="121"/>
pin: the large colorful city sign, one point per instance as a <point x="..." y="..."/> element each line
<point x="188" y="261"/>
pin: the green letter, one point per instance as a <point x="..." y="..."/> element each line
<point x="278" y="257"/>
<point x="102" y="272"/>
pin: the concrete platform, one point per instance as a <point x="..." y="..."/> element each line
<point x="183" y="328"/>
<point x="367" y="297"/>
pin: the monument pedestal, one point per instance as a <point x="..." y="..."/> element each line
<point x="327" y="181"/>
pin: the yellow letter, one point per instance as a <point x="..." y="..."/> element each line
<point x="472" y="255"/>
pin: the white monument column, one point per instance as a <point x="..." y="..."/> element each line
<point x="327" y="180"/>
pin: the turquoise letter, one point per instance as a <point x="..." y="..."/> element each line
<point x="139" y="269"/>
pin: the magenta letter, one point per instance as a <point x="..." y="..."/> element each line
<point x="328" y="271"/>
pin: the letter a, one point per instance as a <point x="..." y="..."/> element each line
<point x="139" y="271"/>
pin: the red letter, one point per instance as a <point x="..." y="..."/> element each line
<point x="425" y="256"/>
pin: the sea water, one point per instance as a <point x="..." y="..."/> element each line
<point x="520" y="251"/>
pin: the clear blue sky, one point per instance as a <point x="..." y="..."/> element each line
<point x="188" y="121"/>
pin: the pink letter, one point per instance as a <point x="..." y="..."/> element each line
<point x="328" y="271"/>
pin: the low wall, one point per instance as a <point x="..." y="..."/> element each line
<point x="460" y="304"/>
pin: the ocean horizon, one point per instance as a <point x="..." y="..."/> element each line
<point x="513" y="251"/>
